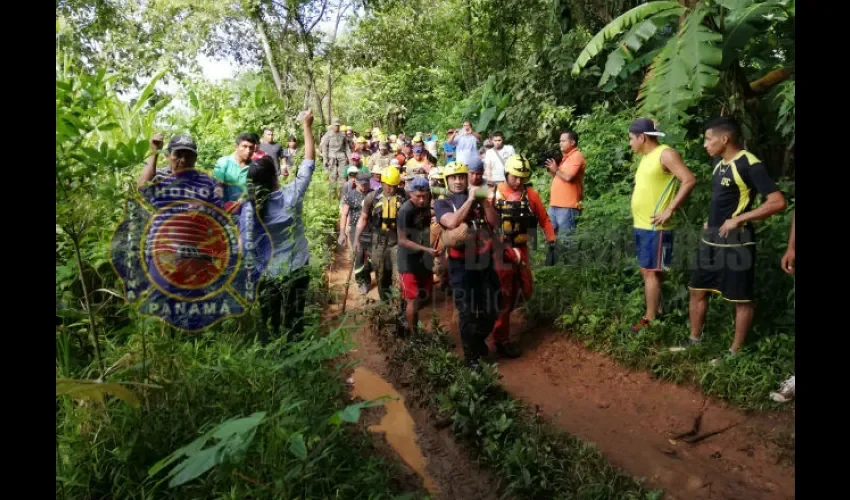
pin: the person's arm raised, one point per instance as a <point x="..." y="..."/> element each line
<point x="149" y="171"/>
<point x="305" y="172"/>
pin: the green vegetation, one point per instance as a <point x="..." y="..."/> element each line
<point x="211" y="415"/>
<point x="144" y="411"/>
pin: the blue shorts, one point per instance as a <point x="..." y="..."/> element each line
<point x="654" y="249"/>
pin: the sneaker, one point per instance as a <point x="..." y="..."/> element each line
<point x="363" y="289"/>
<point x="786" y="391"/>
<point x="725" y="357"/>
<point x="685" y="344"/>
<point x="510" y="350"/>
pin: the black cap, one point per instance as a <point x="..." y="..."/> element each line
<point x="184" y="142"/>
<point x="644" y="126"/>
<point x="363" y="178"/>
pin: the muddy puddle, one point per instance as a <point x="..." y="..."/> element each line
<point x="397" y="425"/>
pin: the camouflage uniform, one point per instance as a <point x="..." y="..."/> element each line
<point x="336" y="149"/>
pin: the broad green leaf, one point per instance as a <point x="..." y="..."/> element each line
<point x="94" y="390"/>
<point x="147" y="92"/>
<point x="195" y="465"/>
<point x="485" y="119"/>
<point x="239" y="425"/>
<point x="617" y="26"/>
<point x="351" y="413"/>
<point x="734" y="4"/>
<point x="297" y="446"/>
<point x="741" y="25"/>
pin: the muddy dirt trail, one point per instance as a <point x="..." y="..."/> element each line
<point x="405" y="432"/>
<point x="635" y="421"/>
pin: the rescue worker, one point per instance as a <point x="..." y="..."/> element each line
<point x="475" y="285"/>
<point x="348" y="217"/>
<point x="379" y="212"/>
<point x="335" y="149"/>
<point x="361" y="146"/>
<point x="520" y="211"/>
<point x="415" y="254"/>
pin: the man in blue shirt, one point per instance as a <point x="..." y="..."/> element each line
<point x="448" y="148"/>
<point x="465" y="142"/>
<point x="284" y="285"/>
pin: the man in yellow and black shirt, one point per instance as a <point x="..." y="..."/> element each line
<point x="726" y="255"/>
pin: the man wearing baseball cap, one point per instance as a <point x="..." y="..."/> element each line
<point x="418" y="166"/>
<point x="448" y="147"/>
<point x="350" y="181"/>
<point x="415" y="255"/>
<point x="653" y="206"/>
<point x="348" y="217"/>
<point x="180" y="174"/>
<point x="334" y="148"/>
<point x="357" y="161"/>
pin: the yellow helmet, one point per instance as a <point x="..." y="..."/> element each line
<point x="391" y="176"/>
<point x="436" y="173"/>
<point x="455" y="168"/>
<point x="343" y="128"/>
<point x="393" y="137"/>
<point x="361" y="140"/>
<point x="518" y="165"/>
<point x="395" y="147"/>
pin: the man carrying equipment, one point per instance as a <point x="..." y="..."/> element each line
<point x="653" y="205"/>
<point x="415" y="255"/>
<point x="335" y="149"/>
<point x="379" y="212"/>
<point x="521" y="211"/>
<point x="468" y="223"/>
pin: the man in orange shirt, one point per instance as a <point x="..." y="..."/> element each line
<point x="520" y="212"/>
<point x="567" y="186"/>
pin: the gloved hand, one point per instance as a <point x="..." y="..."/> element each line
<point x="551" y="256"/>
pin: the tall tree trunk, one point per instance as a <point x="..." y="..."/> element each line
<point x="341" y="8"/>
<point x="267" y="49"/>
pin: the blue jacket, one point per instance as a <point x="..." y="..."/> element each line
<point x="282" y="216"/>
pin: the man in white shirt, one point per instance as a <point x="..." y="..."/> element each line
<point x="495" y="159"/>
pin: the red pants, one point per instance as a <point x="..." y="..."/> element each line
<point x="516" y="287"/>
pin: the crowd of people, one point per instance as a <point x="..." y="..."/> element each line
<point x="460" y="214"/>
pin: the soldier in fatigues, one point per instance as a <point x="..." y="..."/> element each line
<point x="335" y="149"/>
<point x="382" y="158"/>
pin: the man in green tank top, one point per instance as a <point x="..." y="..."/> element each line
<point x="653" y="205"/>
